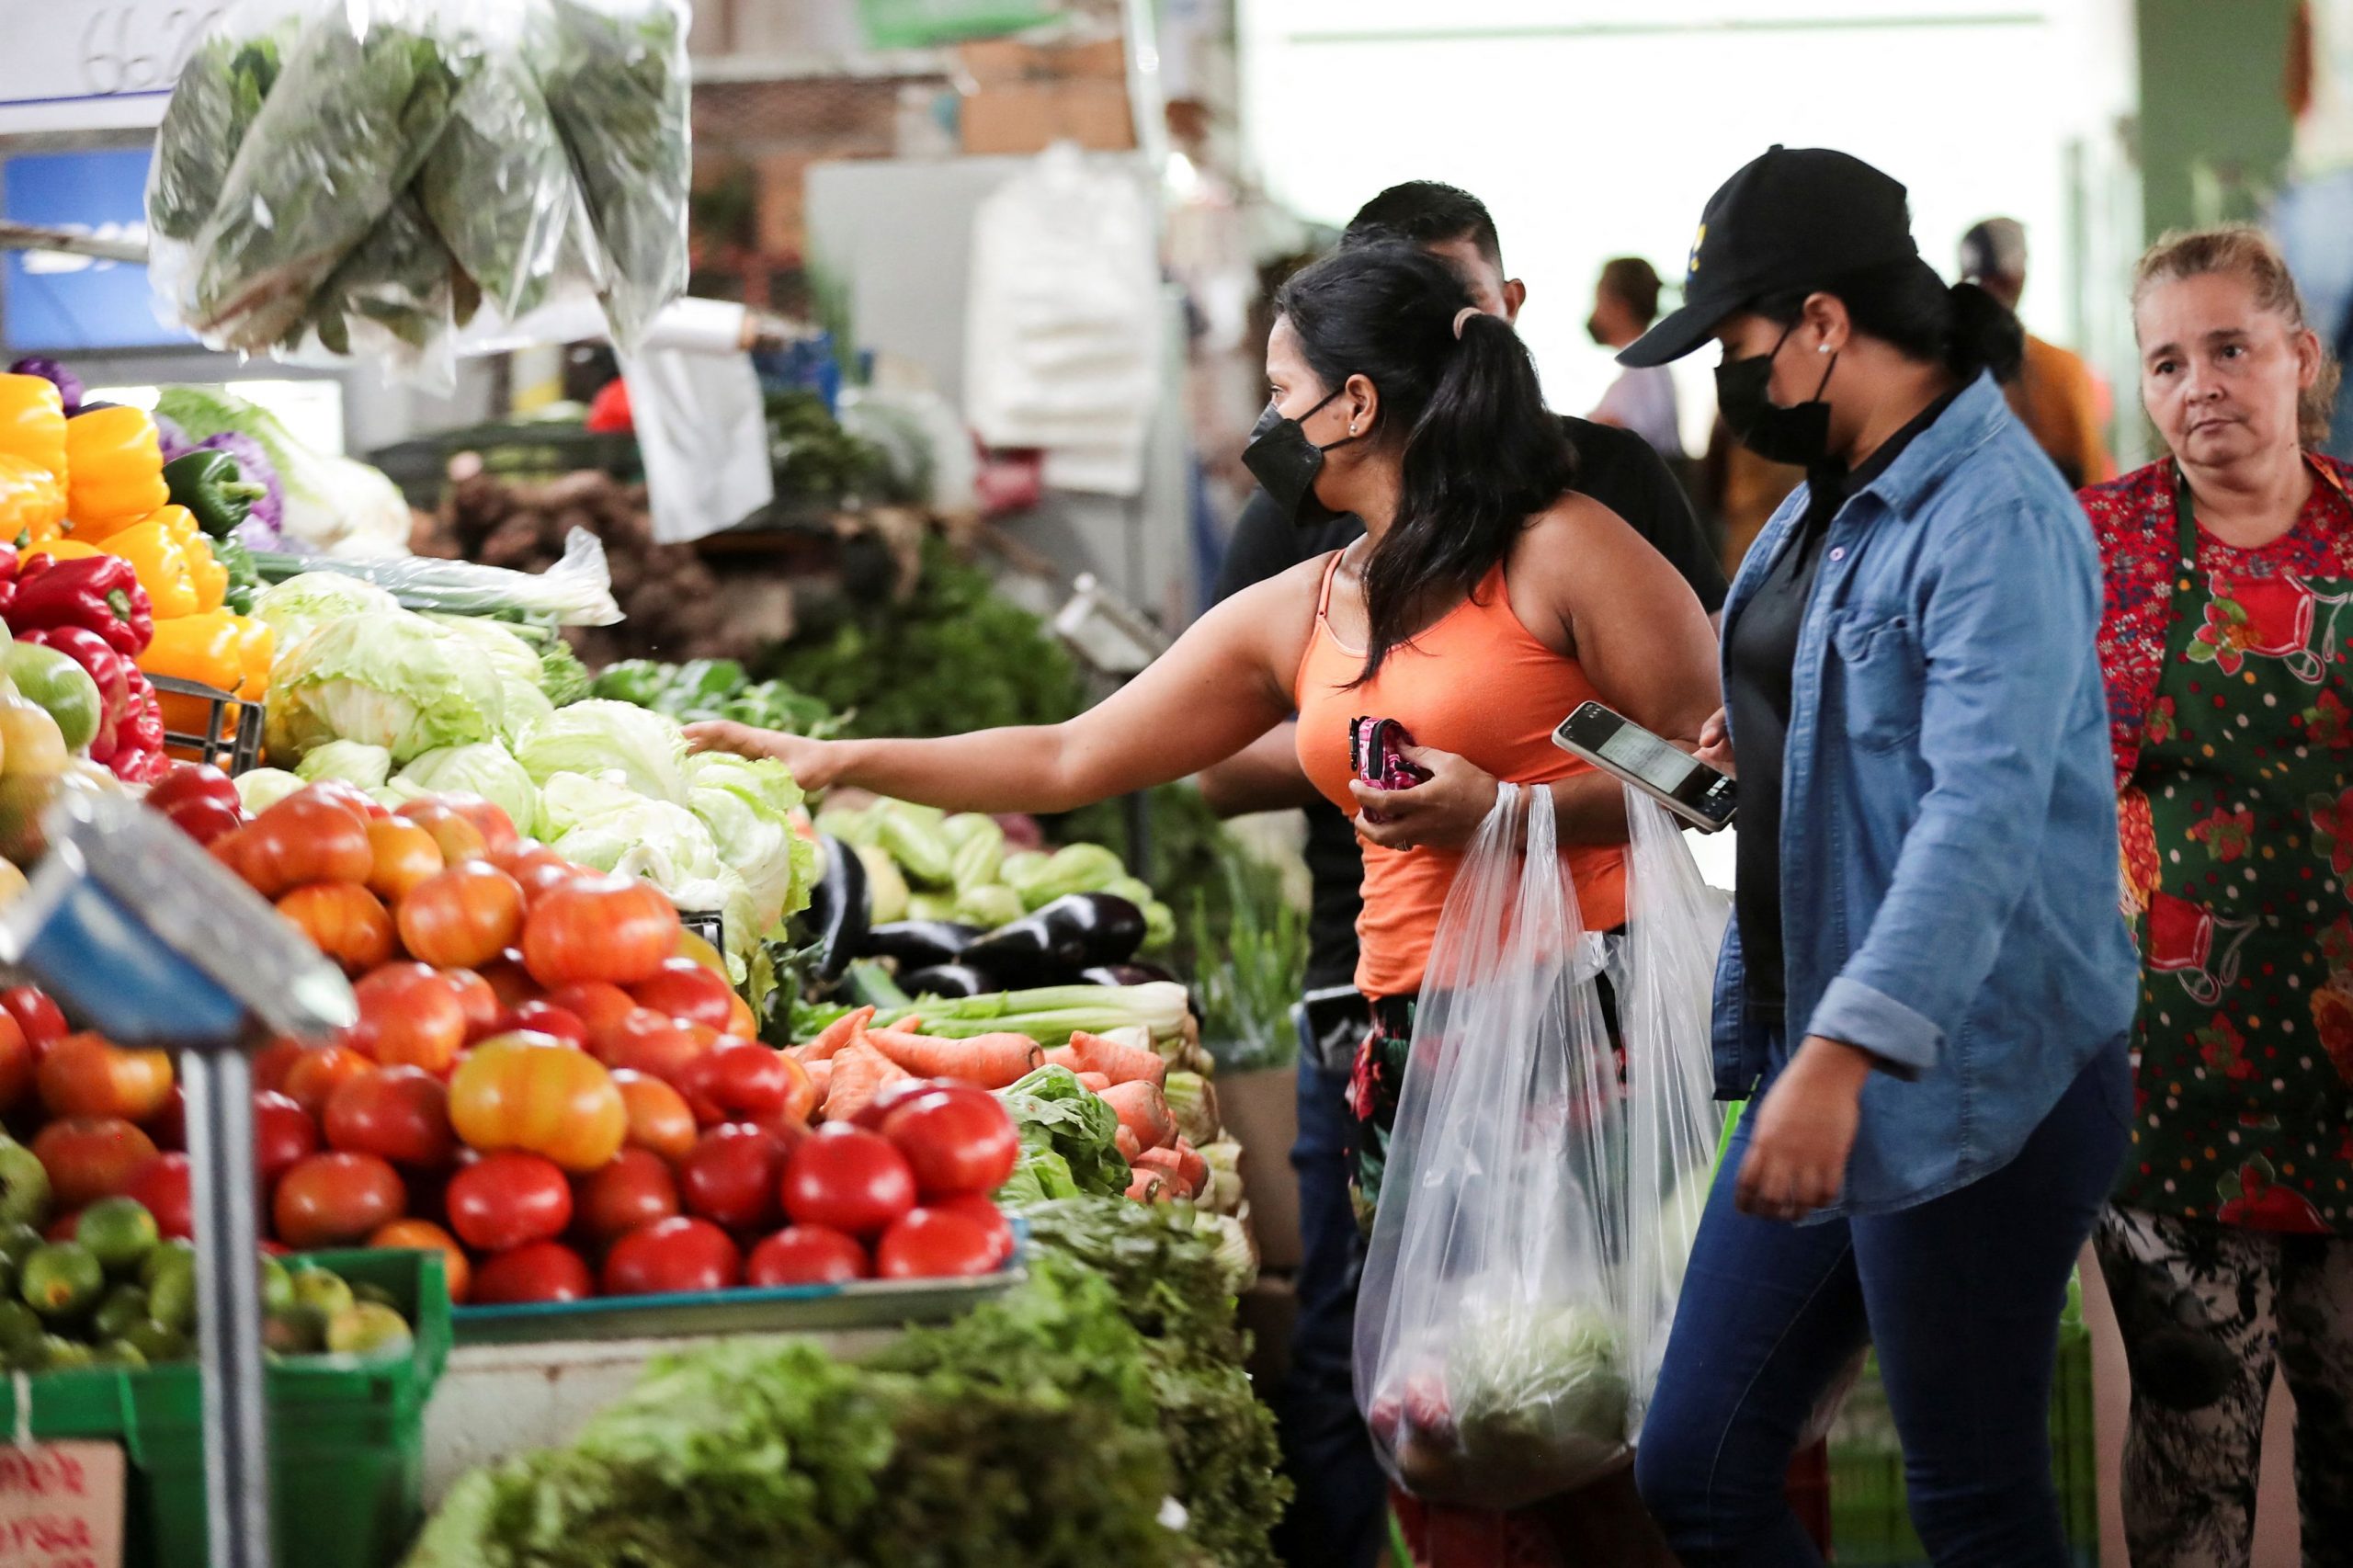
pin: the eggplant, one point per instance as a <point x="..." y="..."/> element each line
<point x="919" y="944"/>
<point x="1127" y="974"/>
<point x="1076" y="932"/>
<point x="837" y="912"/>
<point x="948" y="980"/>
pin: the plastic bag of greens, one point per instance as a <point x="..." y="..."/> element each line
<point x="1490" y="1356"/>
<point x="615" y="75"/>
<point x="214" y="103"/>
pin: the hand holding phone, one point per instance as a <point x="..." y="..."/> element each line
<point x="1675" y="779"/>
<point x="1377" y="755"/>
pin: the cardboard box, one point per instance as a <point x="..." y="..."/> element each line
<point x="1029" y="116"/>
<point x="991" y="61"/>
<point x="1261" y="1111"/>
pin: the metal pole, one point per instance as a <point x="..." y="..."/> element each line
<point x="219" y="1087"/>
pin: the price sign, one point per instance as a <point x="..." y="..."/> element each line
<point x="109" y="65"/>
<point x="61" y="1505"/>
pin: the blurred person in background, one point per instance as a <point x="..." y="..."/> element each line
<point x="2314" y="216"/>
<point x="1625" y="302"/>
<point x="2226" y="1245"/>
<point x="1739" y="492"/>
<point x="1338" y="1516"/>
<point x="2052" y="392"/>
<point x="1926" y="990"/>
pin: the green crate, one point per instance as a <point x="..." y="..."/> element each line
<point x="346" y="1438"/>
<point x="923" y="24"/>
<point x="1869" y="1525"/>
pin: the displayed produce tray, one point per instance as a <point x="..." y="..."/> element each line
<point x="797" y="1309"/>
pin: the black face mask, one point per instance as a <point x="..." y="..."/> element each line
<point x="1798" y="436"/>
<point x="1285" y="462"/>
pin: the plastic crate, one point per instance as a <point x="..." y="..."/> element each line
<point x="230" y="734"/>
<point x="347" y="1437"/>
<point x="1869" y="1525"/>
<point x="526" y="450"/>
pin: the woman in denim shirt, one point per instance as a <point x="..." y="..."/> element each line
<point x="1929" y="988"/>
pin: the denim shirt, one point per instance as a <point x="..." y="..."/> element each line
<point x="1948" y="848"/>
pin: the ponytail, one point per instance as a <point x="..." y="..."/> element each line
<point x="1908" y="307"/>
<point x="1479" y="454"/>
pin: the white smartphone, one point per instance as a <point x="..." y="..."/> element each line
<point x="1675" y="779"/>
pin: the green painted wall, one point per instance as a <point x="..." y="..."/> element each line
<point x="2213" y="121"/>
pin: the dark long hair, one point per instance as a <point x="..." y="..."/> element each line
<point x="1905" y="305"/>
<point x="1480" y="453"/>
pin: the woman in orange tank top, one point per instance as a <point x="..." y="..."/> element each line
<point x="1486" y="600"/>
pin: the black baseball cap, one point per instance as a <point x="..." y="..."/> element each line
<point x="1796" y="218"/>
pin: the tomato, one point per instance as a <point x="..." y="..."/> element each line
<point x="490" y="820"/>
<point x="311" y="1082"/>
<point x="615" y="928"/>
<point x="933" y="1244"/>
<point x="34" y="1013"/>
<point x="284" y="1135"/>
<point x="168" y="1126"/>
<point x="459" y="840"/>
<point x="185" y="781"/>
<point x="973" y="1207"/>
<point x="162" y="1186"/>
<point x="600" y="1006"/>
<point x="541" y="1272"/>
<point x="849" y="1179"/>
<point x="273" y="1062"/>
<point x="465" y="915"/>
<point x="336" y="1199"/>
<point x="659" y="1118"/>
<point x="737" y="1081"/>
<point x="350" y="796"/>
<point x="409" y="1016"/>
<point x="403" y="855"/>
<point x="508" y="1198"/>
<point x="635" y="1190"/>
<point x="894" y="1094"/>
<point x="16" y="1063"/>
<point x="521" y="1091"/>
<point x="342" y="921"/>
<point x="85" y="1074"/>
<point x="305" y="837"/>
<point x="540" y="878"/>
<point x="545" y="1018"/>
<point x="401" y="1113"/>
<point x="731" y="1177"/>
<point x="483" y="1007"/>
<point x="515" y="858"/>
<point x="207" y="822"/>
<point x="739" y="1021"/>
<point x="955" y="1139"/>
<point x="672" y="1256"/>
<point x="424" y="1235"/>
<point x="684" y="989"/>
<point x="648" y="1042"/>
<point x="509" y="981"/>
<point x="807" y="1254"/>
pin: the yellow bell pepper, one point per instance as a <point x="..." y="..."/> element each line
<point x="256" y="646"/>
<point x="161" y="561"/>
<point x="60" y="549"/>
<point x="211" y="578"/>
<point x="113" y="469"/>
<point x="32" y="422"/>
<point x="205" y="649"/>
<point x="32" y="504"/>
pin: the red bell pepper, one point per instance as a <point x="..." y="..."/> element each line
<point x="98" y="593"/>
<point x="109" y="669"/>
<point x="8" y="579"/>
<point x="139" y="740"/>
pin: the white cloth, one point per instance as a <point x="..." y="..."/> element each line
<point x="1643" y="402"/>
<point x="703" y="433"/>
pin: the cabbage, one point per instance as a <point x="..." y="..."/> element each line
<point x="262" y="788"/>
<point x="521" y="708"/>
<point x="354" y="762"/>
<point x="300" y="603"/>
<point x="485" y="768"/>
<point x="647" y="750"/>
<point x="508" y="654"/>
<point x="391" y="680"/>
<point x="600" y="823"/>
<point x="748" y="806"/>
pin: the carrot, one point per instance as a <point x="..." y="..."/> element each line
<point x="1165" y="1162"/>
<point x="1121" y="1063"/>
<point x="990" y="1061"/>
<point x="1192" y="1169"/>
<point x="1126" y="1143"/>
<point x="834" y="1036"/>
<point x="1094" y="1081"/>
<point x="821" y="1075"/>
<point x="1063" y="1056"/>
<point x="1143" y="1110"/>
<point x="1149" y="1186"/>
<point x="859" y="1072"/>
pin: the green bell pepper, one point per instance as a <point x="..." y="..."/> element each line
<point x="244" y="576"/>
<point x="214" y="489"/>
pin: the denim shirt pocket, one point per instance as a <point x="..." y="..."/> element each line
<point x="1884" y="672"/>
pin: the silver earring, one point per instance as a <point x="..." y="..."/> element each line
<point x="1822" y="348"/>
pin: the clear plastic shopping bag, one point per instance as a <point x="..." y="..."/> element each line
<point x="1524" y="1258"/>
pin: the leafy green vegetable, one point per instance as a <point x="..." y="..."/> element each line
<point x="261" y="788"/>
<point x="748" y="806"/>
<point x="498" y="186"/>
<point x="354" y="762"/>
<point x="214" y="103"/>
<point x="562" y="674"/>
<point x="1049" y="1014"/>
<point x="298" y="605"/>
<point x="1069" y="1138"/>
<point x="647" y="750"/>
<point x="484" y="768"/>
<point x="331" y="503"/>
<point x="391" y="680"/>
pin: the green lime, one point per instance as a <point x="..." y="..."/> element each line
<point x="62" y="1279"/>
<point x="20" y="1240"/>
<point x="161" y="1344"/>
<point x="19" y="1325"/>
<point x="58" y="1354"/>
<point x="24" y="1190"/>
<point x="276" y="1285"/>
<point x="171" y="1300"/>
<point x="119" y="1231"/>
<point x="173" y="1253"/>
<point x="124" y="1308"/>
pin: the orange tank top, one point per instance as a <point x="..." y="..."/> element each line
<point x="1477" y="684"/>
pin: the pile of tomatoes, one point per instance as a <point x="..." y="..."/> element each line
<point x="549" y="1081"/>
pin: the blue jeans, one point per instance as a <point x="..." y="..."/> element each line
<point x="1961" y="1295"/>
<point x="1338" y="1516"/>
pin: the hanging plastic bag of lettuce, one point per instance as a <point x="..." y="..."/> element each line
<point x="615" y="76"/>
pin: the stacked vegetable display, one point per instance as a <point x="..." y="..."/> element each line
<point x="715" y="689"/>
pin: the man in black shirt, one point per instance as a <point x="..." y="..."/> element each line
<point x="1338" y="1516"/>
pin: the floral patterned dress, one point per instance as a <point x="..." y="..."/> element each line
<point x="2232" y="695"/>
